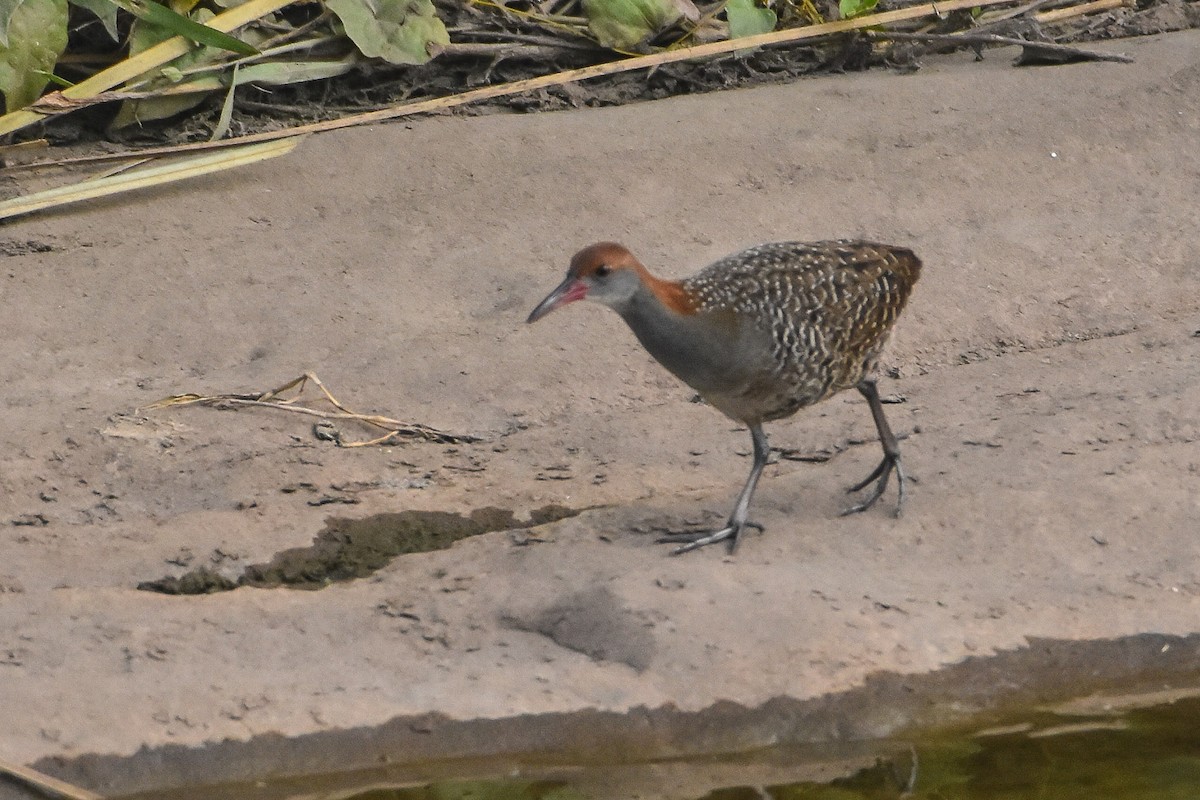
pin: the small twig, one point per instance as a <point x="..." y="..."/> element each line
<point x="1059" y="14"/>
<point x="395" y="428"/>
<point x="987" y="20"/>
<point x="560" y="21"/>
<point x="991" y="38"/>
<point x="246" y="104"/>
<point x="555" y="6"/>
<point x="45" y="783"/>
<point x="505" y="37"/>
<point x="532" y="52"/>
<point x="7" y="150"/>
<point x="289" y="34"/>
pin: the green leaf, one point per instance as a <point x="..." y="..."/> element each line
<point x="152" y="108"/>
<point x="7" y="8"/>
<point x="37" y="36"/>
<point x="222" y="126"/>
<point x="627" y="24"/>
<point x="163" y="17"/>
<point x="856" y="8"/>
<point x="747" y="19"/>
<point x="142" y="36"/>
<point x="105" y="10"/>
<point x="52" y="78"/>
<point x="277" y="73"/>
<point x="398" y="31"/>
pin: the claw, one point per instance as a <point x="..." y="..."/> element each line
<point x="694" y="541"/>
<point x="737" y="519"/>
<point x="880" y="475"/>
<point x="891" y="456"/>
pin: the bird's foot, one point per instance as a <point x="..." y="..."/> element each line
<point x="694" y="541"/>
<point x="880" y="477"/>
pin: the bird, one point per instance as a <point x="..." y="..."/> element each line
<point x="759" y="335"/>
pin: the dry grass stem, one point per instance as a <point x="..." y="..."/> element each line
<point x="1059" y="14"/>
<point x="142" y="178"/>
<point x="991" y="38"/>
<point x="396" y="430"/>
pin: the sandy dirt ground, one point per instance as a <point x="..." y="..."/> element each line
<point x="1049" y="367"/>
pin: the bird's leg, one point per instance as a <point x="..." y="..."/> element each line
<point x="737" y="520"/>
<point x="891" y="456"/>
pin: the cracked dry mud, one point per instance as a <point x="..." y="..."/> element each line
<point x="1048" y="364"/>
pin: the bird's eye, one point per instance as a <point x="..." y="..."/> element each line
<point x="603" y="270"/>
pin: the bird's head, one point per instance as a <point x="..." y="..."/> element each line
<point x="604" y="272"/>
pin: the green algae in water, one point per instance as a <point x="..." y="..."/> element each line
<point x="479" y="790"/>
<point x="1144" y="754"/>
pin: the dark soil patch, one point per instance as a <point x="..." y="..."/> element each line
<point x="15" y="247"/>
<point x="355" y="548"/>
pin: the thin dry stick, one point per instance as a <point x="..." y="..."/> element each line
<point x="993" y="17"/>
<point x="586" y="45"/>
<point x="567" y="76"/>
<point x="47" y="784"/>
<point x="1059" y="14"/>
<point x="991" y="20"/>
<point x="504" y="49"/>
<point x="991" y="38"/>
<point x="7" y="150"/>
<point x="395" y="428"/>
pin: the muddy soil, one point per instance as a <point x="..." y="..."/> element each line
<point x="1045" y="376"/>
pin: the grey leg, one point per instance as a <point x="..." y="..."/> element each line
<point x="741" y="508"/>
<point x="891" y="456"/>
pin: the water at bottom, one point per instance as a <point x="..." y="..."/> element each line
<point x="1150" y="753"/>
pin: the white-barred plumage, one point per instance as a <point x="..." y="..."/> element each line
<point x="762" y="333"/>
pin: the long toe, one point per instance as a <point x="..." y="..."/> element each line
<point x="694" y="541"/>
<point x="880" y="475"/>
<point x="901" y="479"/>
